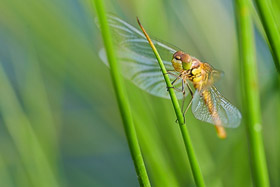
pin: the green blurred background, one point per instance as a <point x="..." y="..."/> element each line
<point x="60" y="124"/>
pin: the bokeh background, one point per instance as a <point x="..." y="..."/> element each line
<point x="59" y="121"/>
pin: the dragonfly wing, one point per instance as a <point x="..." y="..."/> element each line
<point x="146" y="76"/>
<point x="212" y="75"/>
<point x="227" y="113"/>
<point x="138" y="60"/>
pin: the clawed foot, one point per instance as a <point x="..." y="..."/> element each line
<point x="169" y="87"/>
<point x="176" y="121"/>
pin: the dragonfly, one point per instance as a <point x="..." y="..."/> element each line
<point x="140" y="66"/>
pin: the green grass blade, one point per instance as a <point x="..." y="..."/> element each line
<point x="36" y="103"/>
<point x="5" y="176"/>
<point x="184" y="131"/>
<point x="122" y="97"/>
<point x="27" y="143"/>
<point x="271" y="29"/>
<point x="251" y="97"/>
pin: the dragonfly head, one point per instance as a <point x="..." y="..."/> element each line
<point x="181" y="61"/>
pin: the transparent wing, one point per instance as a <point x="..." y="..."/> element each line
<point x="211" y="77"/>
<point x="227" y="113"/>
<point x="137" y="58"/>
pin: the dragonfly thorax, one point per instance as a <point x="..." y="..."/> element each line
<point x="189" y="67"/>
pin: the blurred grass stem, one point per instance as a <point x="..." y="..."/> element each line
<point x="122" y="97"/>
<point x="187" y="141"/>
<point x="271" y="29"/>
<point x="33" y="156"/>
<point x="251" y="92"/>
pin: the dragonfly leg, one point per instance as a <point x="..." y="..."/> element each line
<point x="188" y="106"/>
<point x="170" y="72"/>
<point x="184" y="98"/>
<point x="184" y="95"/>
<point x="177" y="89"/>
<point x="186" y="111"/>
<point x="177" y="78"/>
<point x="189" y="88"/>
<point x="191" y="92"/>
<point x="173" y="73"/>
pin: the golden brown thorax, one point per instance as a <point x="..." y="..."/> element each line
<point x="190" y="68"/>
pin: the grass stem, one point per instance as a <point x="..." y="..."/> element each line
<point x="271" y="29"/>
<point x="251" y="98"/>
<point x="32" y="154"/>
<point x="122" y="97"/>
<point x="184" y="131"/>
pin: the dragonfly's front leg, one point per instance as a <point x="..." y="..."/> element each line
<point x="170" y="72"/>
<point x="174" y="81"/>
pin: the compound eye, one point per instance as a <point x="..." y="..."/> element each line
<point x="177" y="57"/>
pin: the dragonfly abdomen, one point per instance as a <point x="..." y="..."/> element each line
<point x="211" y="108"/>
<point x="214" y="114"/>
